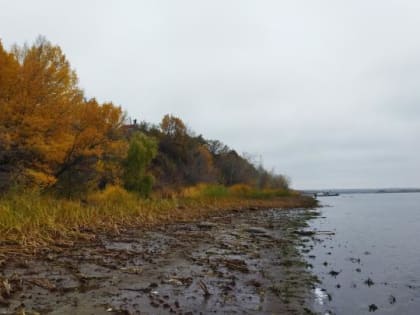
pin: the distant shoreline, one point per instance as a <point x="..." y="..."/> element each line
<point x="363" y="191"/>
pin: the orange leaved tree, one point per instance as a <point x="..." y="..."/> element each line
<point x="47" y="127"/>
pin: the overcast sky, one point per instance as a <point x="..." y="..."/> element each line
<point x="327" y="92"/>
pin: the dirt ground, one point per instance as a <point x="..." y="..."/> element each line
<point x="239" y="263"/>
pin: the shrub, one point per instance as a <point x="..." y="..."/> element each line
<point x="140" y="154"/>
<point x="113" y="195"/>
<point x="205" y="190"/>
<point x="240" y="190"/>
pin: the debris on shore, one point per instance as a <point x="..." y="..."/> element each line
<point x="237" y="262"/>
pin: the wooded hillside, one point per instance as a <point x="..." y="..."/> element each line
<point x="53" y="138"/>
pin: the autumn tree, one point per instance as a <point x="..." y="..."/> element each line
<point x="9" y="68"/>
<point x="173" y="126"/>
<point x="183" y="158"/>
<point x="141" y="152"/>
<point x="8" y="79"/>
<point x="95" y="151"/>
<point x="216" y="147"/>
<point x="235" y="169"/>
<point x="200" y="167"/>
<point x="39" y="111"/>
<point x="172" y="154"/>
<point x="49" y="132"/>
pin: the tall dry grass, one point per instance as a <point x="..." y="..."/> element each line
<point x="31" y="218"/>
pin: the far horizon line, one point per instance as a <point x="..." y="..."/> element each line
<point x="375" y="188"/>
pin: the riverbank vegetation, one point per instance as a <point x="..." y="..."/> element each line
<point x="32" y="218"/>
<point x="70" y="165"/>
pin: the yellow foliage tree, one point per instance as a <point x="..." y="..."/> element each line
<point x="47" y="127"/>
<point x="9" y="67"/>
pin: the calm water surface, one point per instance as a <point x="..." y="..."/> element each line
<point x="375" y="251"/>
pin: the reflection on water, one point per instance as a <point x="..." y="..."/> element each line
<point x="367" y="254"/>
<point x="320" y="296"/>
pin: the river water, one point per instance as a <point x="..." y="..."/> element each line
<point x="367" y="254"/>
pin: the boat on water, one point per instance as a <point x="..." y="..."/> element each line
<point x="327" y="194"/>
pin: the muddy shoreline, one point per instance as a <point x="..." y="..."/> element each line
<point x="233" y="263"/>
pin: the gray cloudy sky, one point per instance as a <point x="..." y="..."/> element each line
<point x="328" y="92"/>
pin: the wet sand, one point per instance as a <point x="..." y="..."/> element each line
<point x="238" y="263"/>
